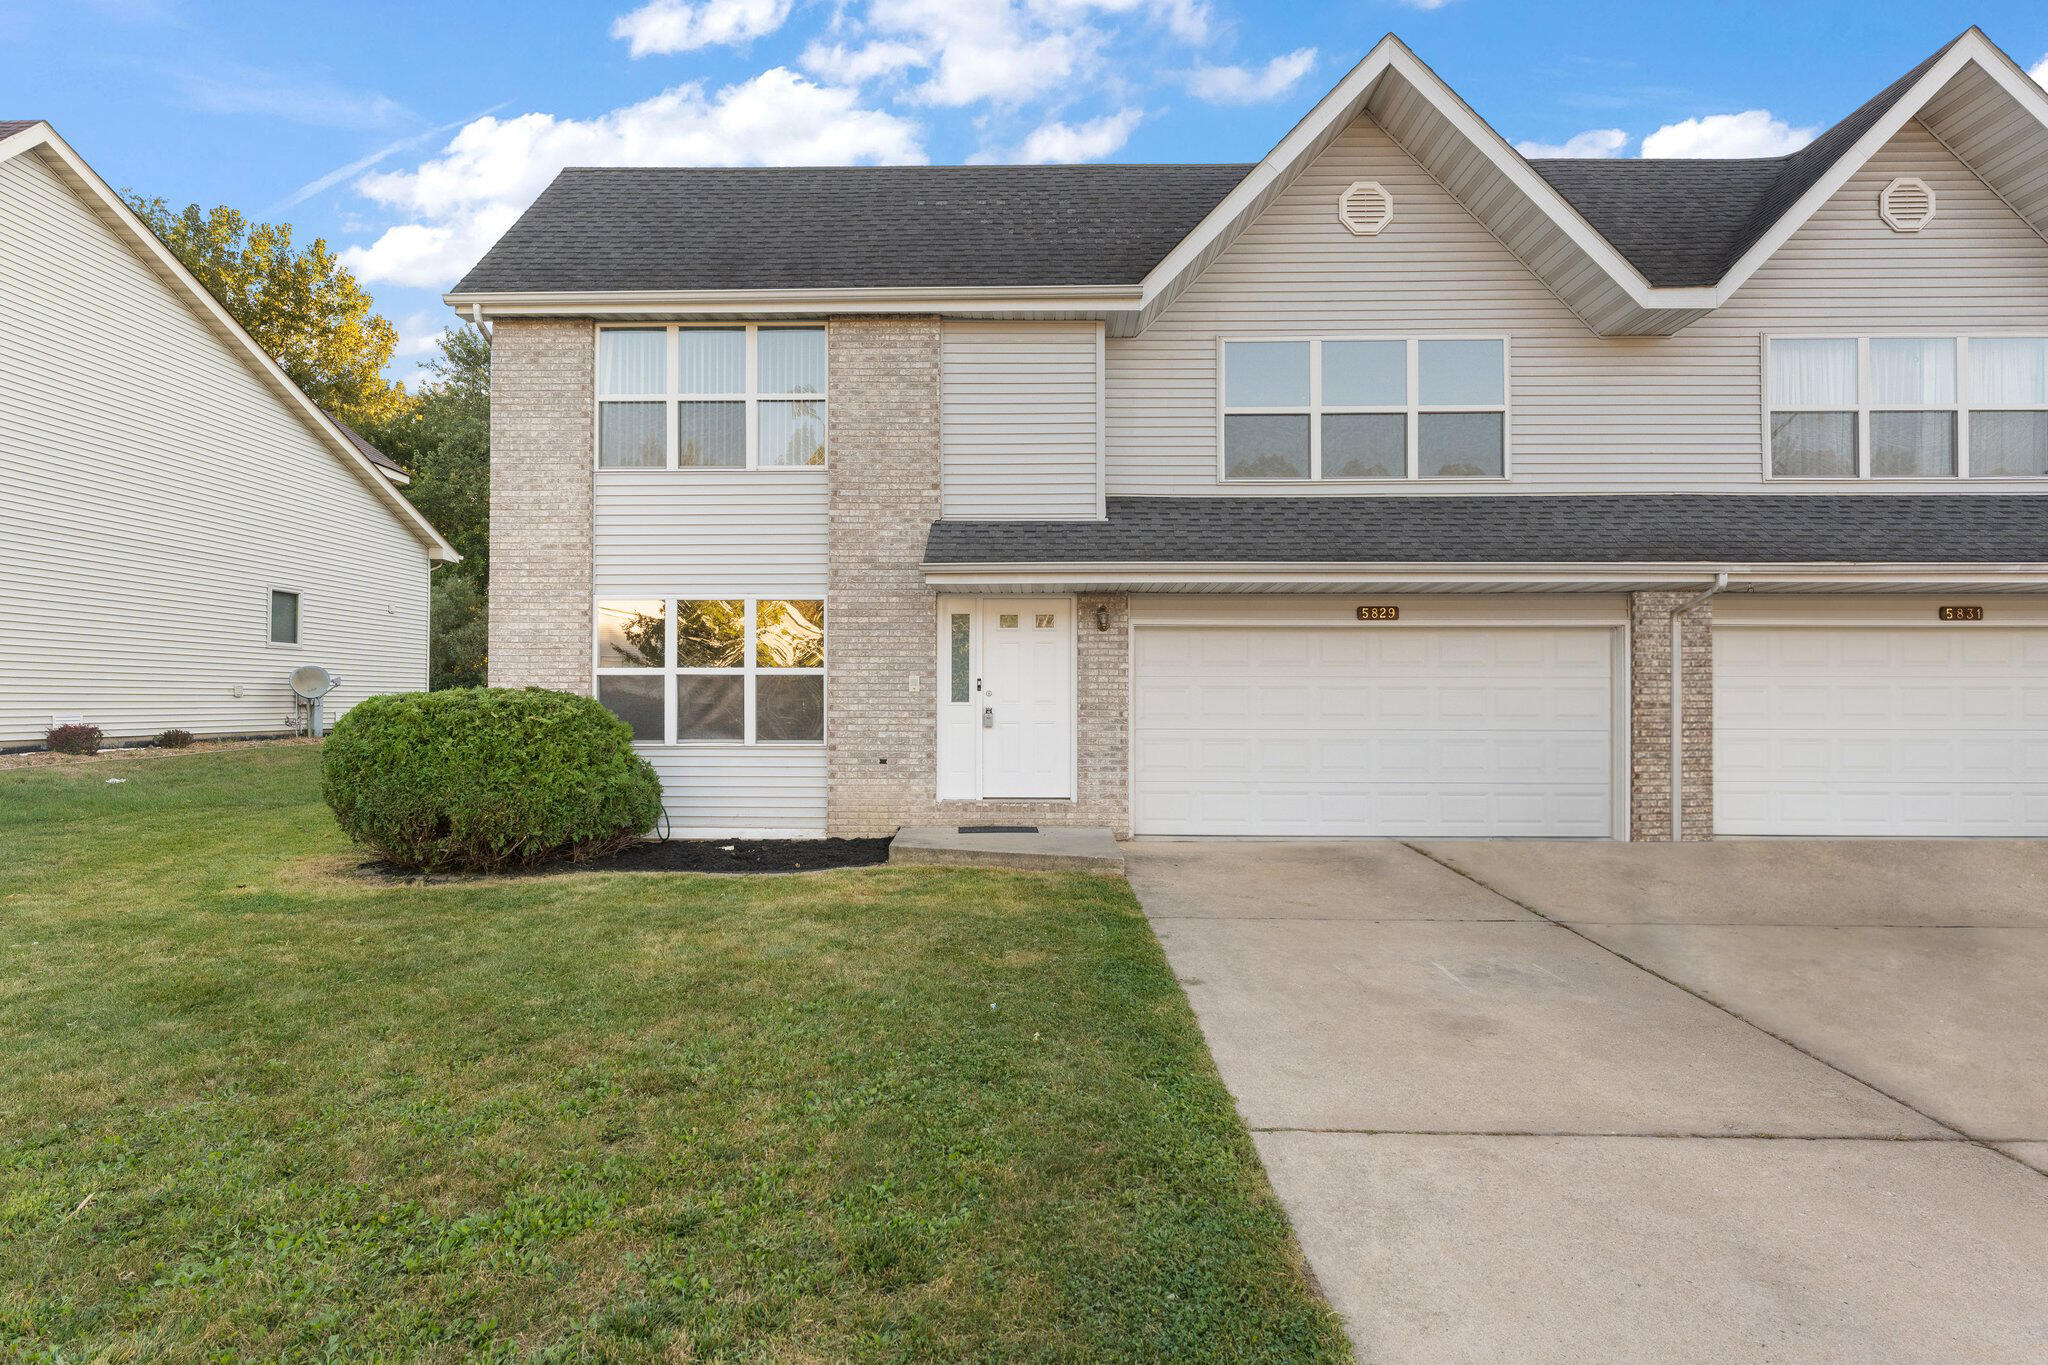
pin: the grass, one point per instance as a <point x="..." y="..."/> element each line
<point x="257" y="1105"/>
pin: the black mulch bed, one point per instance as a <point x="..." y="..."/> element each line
<point x="699" y="855"/>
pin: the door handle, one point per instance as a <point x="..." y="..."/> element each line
<point x="988" y="717"/>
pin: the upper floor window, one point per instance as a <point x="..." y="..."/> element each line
<point x="284" y="617"/>
<point x="1908" y="407"/>
<point x="1365" y="408"/>
<point x="738" y="397"/>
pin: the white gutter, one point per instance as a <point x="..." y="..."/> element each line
<point x="1678" y="614"/>
<point x="476" y="319"/>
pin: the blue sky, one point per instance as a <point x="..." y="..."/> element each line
<point x="409" y="134"/>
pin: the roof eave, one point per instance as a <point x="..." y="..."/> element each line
<point x="1063" y="299"/>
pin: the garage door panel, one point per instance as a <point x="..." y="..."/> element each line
<point x="1406" y="733"/>
<point x="1840" y="731"/>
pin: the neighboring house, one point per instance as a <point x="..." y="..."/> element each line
<point x="1349" y="493"/>
<point x="182" y="527"/>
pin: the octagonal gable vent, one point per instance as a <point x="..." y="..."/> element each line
<point x="1907" y="204"/>
<point x="1365" y="207"/>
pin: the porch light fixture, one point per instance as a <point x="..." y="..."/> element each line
<point x="1102" y="618"/>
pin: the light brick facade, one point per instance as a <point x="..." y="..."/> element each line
<point x="1650" y="717"/>
<point x="882" y="722"/>
<point x="543" y="405"/>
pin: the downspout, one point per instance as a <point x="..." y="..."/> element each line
<point x="476" y="318"/>
<point x="1678" y="704"/>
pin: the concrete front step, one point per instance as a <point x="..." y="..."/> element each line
<point x="1045" y="849"/>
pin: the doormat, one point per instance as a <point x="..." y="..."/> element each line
<point x="999" y="829"/>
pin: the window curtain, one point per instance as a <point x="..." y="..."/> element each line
<point x="2008" y="371"/>
<point x="632" y="362"/>
<point x="1813" y="372"/>
<point x="1913" y="372"/>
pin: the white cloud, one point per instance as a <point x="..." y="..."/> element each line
<point x="293" y="97"/>
<point x="2039" y="70"/>
<point x="673" y="26"/>
<point x="1593" y="143"/>
<point x="1425" y="4"/>
<point x="459" y="202"/>
<point x="855" y="66"/>
<point x="1251" y="85"/>
<point x="1753" y="132"/>
<point x="1088" y="141"/>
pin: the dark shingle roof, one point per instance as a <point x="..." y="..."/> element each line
<point x="10" y="126"/>
<point x="1685" y="222"/>
<point x="849" y="227"/>
<point x="370" y="452"/>
<point x="1521" y="529"/>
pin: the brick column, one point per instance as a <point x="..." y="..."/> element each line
<point x="543" y="406"/>
<point x="881" y="727"/>
<point x="1650" y="718"/>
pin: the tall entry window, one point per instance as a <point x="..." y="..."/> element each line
<point x="737" y="397"/>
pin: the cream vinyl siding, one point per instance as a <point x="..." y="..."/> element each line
<point x="157" y="491"/>
<point x="710" y="533"/>
<point x="721" y="533"/>
<point x="1590" y="414"/>
<point x="1020" y="420"/>
<point x="727" y="790"/>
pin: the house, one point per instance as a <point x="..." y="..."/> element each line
<point x="183" y="527"/>
<point x="1395" y="485"/>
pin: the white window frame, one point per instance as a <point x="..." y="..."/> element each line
<point x="750" y="667"/>
<point x="298" y="617"/>
<point x="1864" y="407"/>
<point x="752" y="398"/>
<point x="1413" y="409"/>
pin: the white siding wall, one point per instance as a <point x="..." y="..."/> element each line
<point x="1020" y="410"/>
<point x="721" y="533"/>
<point x="1591" y="414"/>
<point x="156" y="490"/>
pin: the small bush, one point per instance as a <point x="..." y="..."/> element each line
<point x="174" y="739"/>
<point x="479" y="778"/>
<point x="73" y="739"/>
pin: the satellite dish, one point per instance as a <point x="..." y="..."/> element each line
<point x="311" y="682"/>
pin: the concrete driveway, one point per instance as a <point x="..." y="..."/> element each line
<point x="1780" y="1100"/>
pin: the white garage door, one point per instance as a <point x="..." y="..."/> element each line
<point x="1880" y="731"/>
<point x="1396" y="732"/>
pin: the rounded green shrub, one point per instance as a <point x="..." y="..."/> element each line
<point x="477" y="778"/>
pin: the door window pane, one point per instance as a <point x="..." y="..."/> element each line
<point x="1912" y="372"/>
<point x="789" y="634"/>
<point x="1265" y="374"/>
<point x="792" y="433"/>
<point x="1460" y="445"/>
<point x="711" y="435"/>
<point x="960" y="655"/>
<point x="1460" y="373"/>
<point x="2008" y="444"/>
<point x="631" y="634"/>
<point x="1813" y="445"/>
<point x="792" y="359"/>
<point x="1365" y="374"/>
<point x="1265" y="447"/>
<point x="2008" y="370"/>
<point x="712" y="359"/>
<point x="1908" y="445"/>
<point x="1365" y="445"/>
<point x="709" y="707"/>
<point x="284" y="618"/>
<point x="636" y="701"/>
<point x="633" y="362"/>
<point x="629" y="436"/>
<point x="1813" y="372"/>
<point x="788" y="709"/>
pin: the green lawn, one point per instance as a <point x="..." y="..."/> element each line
<point x="256" y="1105"/>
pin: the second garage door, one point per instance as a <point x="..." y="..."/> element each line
<point x="1407" y="732"/>
<point x="1914" y="731"/>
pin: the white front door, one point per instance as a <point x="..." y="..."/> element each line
<point x="1026" y="701"/>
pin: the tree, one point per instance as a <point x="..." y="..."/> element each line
<point x="302" y="306"/>
<point x="443" y="439"/>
